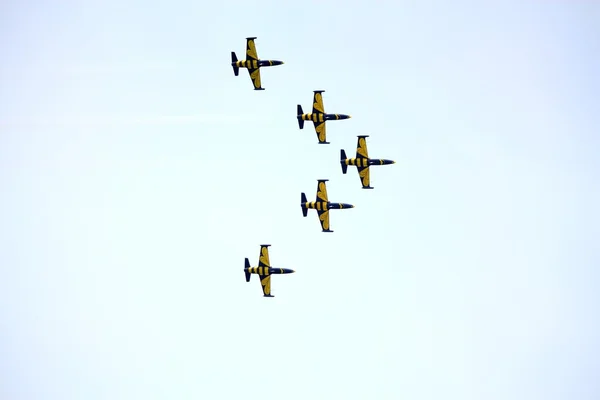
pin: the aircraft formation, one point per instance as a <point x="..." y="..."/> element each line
<point x="319" y="118"/>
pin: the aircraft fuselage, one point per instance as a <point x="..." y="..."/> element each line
<point x="367" y="162"/>
<point x="254" y="64"/>
<point x="326" y="205"/>
<point x="269" y="271"/>
<point x="322" y="117"/>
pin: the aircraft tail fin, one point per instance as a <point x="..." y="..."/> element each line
<point x="299" y="115"/>
<point x="343" y="159"/>
<point x="246" y="268"/>
<point x="234" y="59"/>
<point x="303" y="204"/>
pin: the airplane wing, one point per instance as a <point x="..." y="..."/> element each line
<point x="324" y="219"/>
<point x="321" y="132"/>
<point x="251" y="49"/>
<point x="251" y="55"/>
<point x="322" y="196"/>
<point x="362" y="156"/>
<point x="263" y="261"/>
<point x="322" y="191"/>
<point x="265" y="281"/>
<point x="318" y="102"/>
<point x="255" y="76"/>
<point x="361" y="148"/>
<point x="364" y="175"/>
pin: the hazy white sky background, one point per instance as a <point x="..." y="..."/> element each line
<point x="137" y="173"/>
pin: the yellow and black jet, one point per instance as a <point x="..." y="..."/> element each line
<point x="252" y="63"/>
<point x="322" y="205"/>
<point x="362" y="161"/>
<point x="264" y="270"/>
<point x="318" y="116"/>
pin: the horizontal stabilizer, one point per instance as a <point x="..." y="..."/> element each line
<point x="234" y="59"/>
<point x="343" y="161"/>
<point x="246" y="268"/>
<point x="299" y="116"/>
<point x="303" y="204"/>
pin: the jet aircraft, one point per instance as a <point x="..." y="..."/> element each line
<point x="322" y="205"/>
<point x="318" y="116"/>
<point x="252" y="63"/>
<point x="362" y="161"/>
<point x="264" y="270"/>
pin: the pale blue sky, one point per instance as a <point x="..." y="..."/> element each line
<point x="137" y="172"/>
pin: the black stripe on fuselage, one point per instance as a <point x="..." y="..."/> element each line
<point x="259" y="270"/>
<point x="359" y="162"/>
<point x="253" y="64"/>
<point x="317" y="205"/>
<point x="314" y="117"/>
